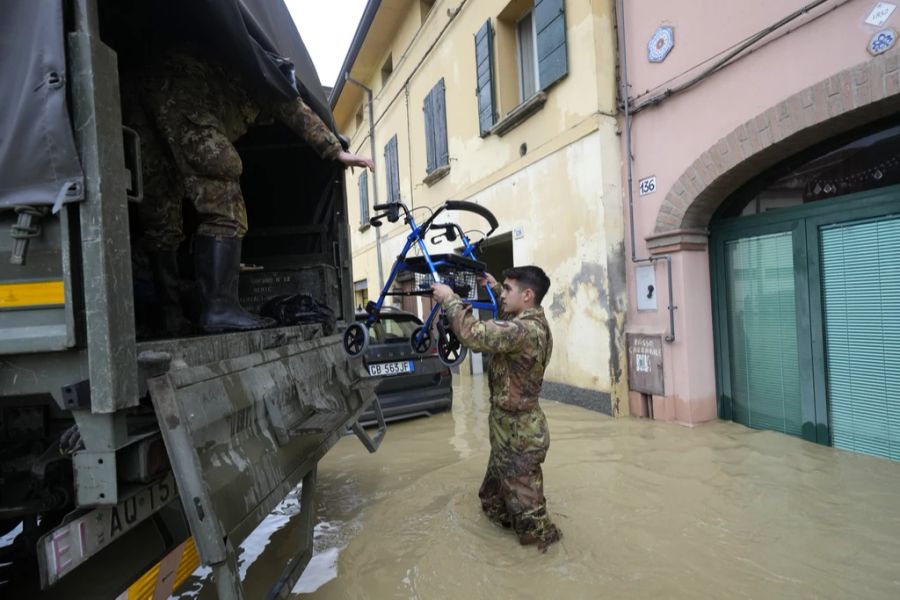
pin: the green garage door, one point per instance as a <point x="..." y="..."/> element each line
<point x="861" y="295"/>
<point x="762" y="323"/>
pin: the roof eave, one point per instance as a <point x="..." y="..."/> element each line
<point x="362" y="31"/>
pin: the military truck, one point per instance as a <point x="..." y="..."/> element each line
<point x="187" y="443"/>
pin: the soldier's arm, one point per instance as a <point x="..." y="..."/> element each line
<point x="301" y="119"/>
<point x="482" y="336"/>
<point x="501" y="314"/>
<point x="497" y="289"/>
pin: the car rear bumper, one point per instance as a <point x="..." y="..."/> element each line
<point x="403" y="404"/>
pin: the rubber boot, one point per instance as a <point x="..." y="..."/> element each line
<point x="217" y="264"/>
<point x="164" y="266"/>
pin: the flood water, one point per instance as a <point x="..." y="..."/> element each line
<point x="647" y="509"/>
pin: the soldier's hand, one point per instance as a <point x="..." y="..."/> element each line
<point x="441" y="292"/>
<point x="487" y="280"/>
<point x="70" y="441"/>
<point x="348" y="159"/>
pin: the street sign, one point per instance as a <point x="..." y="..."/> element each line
<point x="880" y="14"/>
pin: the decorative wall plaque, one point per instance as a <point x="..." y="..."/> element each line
<point x="882" y="41"/>
<point x="661" y="44"/>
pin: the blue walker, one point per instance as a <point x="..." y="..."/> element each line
<point x="459" y="271"/>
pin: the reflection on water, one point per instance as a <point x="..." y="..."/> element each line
<point x="200" y="583"/>
<point x="648" y="510"/>
<point x="470" y="417"/>
<point x="321" y="569"/>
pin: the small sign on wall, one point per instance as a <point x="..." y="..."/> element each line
<point x="661" y="44"/>
<point x="882" y="41"/>
<point x="880" y="14"/>
<point x="647" y="185"/>
<point x="645" y="364"/>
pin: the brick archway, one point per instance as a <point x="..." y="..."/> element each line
<point x="853" y="97"/>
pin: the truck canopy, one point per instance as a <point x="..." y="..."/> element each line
<point x="39" y="162"/>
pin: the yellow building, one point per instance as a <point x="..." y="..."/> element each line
<point x="511" y="105"/>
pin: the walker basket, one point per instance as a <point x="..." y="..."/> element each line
<point x="458" y="272"/>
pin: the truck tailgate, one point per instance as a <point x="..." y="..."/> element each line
<point x="242" y="432"/>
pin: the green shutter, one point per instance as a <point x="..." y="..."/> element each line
<point x="428" y="109"/>
<point x="484" y="77"/>
<point x="762" y="328"/>
<point x="550" y="24"/>
<point x="392" y="171"/>
<point x="388" y="170"/>
<point x="441" y="148"/>
<point x="364" y="197"/>
<point x="861" y="297"/>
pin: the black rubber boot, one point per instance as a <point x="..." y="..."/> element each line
<point x="170" y="316"/>
<point x="217" y="263"/>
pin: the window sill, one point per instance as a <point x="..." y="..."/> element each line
<point x="436" y="175"/>
<point x="519" y="114"/>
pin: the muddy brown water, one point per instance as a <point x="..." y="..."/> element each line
<point x="648" y="510"/>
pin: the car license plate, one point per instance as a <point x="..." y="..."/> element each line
<point x="391" y="368"/>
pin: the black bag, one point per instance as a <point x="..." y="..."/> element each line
<point x="295" y="309"/>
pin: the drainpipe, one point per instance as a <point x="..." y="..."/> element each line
<point x="629" y="162"/>
<point x="371" y="103"/>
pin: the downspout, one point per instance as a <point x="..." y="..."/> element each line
<point x="371" y="103"/>
<point x="412" y="200"/>
<point x="629" y="162"/>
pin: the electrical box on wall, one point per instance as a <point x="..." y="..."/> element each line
<point x="645" y="284"/>
<point x="645" y="364"/>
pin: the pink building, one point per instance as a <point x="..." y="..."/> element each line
<point x="765" y="171"/>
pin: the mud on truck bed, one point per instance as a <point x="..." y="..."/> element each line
<point x="188" y="443"/>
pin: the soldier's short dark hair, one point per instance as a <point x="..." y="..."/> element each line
<point x="530" y="278"/>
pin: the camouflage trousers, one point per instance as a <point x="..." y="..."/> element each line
<point x="512" y="494"/>
<point x="185" y="154"/>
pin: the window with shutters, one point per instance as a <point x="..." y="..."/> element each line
<point x="364" y="198"/>
<point x="527" y="56"/>
<point x="435" y="110"/>
<point x="392" y="171"/>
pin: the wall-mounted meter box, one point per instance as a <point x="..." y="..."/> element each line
<point x="645" y="282"/>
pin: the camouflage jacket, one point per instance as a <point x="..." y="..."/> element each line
<point x="217" y="98"/>
<point x="521" y="348"/>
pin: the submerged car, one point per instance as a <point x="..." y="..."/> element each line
<point x="414" y="384"/>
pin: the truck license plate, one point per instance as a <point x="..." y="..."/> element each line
<point x="391" y="368"/>
<point x="73" y="543"/>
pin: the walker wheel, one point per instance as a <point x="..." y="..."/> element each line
<point x="450" y="351"/>
<point x="420" y="346"/>
<point x="356" y="339"/>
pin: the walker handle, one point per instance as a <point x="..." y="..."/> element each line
<point x="392" y="210"/>
<point x="475" y="208"/>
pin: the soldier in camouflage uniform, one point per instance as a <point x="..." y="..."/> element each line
<point x="188" y="110"/>
<point x="512" y="494"/>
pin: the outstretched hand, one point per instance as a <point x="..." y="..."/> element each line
<point x="348" y="159"/>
